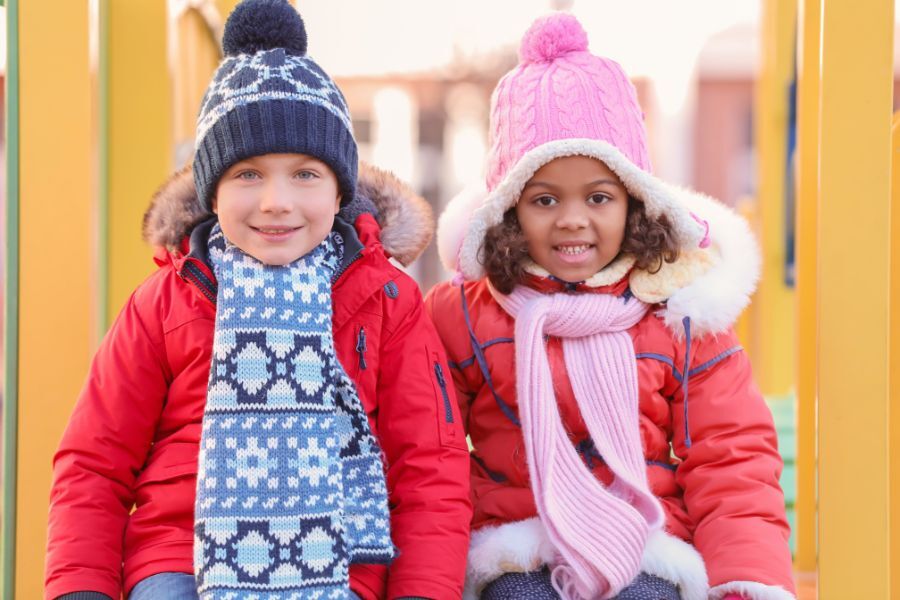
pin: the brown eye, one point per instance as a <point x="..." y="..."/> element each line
<point x="599" y="199"/>
<point x="545" y="201"/>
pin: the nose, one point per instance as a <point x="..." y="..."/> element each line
<point x="273" y="197"/>
<point x="572" y="215"/>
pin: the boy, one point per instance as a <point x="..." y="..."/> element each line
<point x="272" y="281"/>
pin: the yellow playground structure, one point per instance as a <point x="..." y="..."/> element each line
<point x="100" y="99"/>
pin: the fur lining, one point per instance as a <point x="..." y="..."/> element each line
<point x="711" y="285"/>
<point x="715" y="299"/>
<point x="516" y="547"/>
<point x="673" y="559"/>
<point x="406" y="219"/>
<point x="524" y="546"/>
<point x="454" y="222"/>
<point x="656" y="195"/>
<point x="750" y="590"/>
<point x="608" y="275"/>
<point x="174" y="211"/>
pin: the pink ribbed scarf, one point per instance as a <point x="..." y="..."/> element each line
<point x="598" y="532"/>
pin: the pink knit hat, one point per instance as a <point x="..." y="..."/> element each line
<point x="561" y="91"/>
<point x="561" y="100"/>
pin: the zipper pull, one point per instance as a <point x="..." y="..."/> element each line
<point x="361" y="347"/>
<point x="440" y="374"/>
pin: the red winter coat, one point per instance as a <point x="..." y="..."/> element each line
<point x="133" y="438"/>
<point x="719" y="490"/>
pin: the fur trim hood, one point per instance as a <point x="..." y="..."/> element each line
<point x="405" y="218"/>
<point x="710" y="283"/>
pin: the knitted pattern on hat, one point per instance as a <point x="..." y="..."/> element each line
<point x="268" y="97"/>
<point x="561" y="100"/>
<point x="290" y="487"/>
<point x="599" y="555"/>
<point x="561" y="91"/>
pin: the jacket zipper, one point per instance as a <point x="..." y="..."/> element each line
<point x="448" y="409"/>
<point x="192" y="273"/>
<point x="361" y="347"/>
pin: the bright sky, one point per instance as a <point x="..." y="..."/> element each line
<point x="373" y="37"/>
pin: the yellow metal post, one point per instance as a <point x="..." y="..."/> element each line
<point x="773" y="304"/>
<point x="56" y="258"/>
<point x="806" y="230"/>
<point x="854" y="248"/>
<point x="226" y="6"/>
<point x="140" y="136"/>
<point x="195" y="44"/>
<point x="894" y="438"/>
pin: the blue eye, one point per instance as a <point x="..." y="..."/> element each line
<point x="599" y="199"/>
<point x="307" y="175"/>
<point x="545" y="200"/>
<point x="248" y="175"/>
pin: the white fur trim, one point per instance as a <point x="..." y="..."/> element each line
<point x="711" y="286"/>
<point x="750" y="590"/>
<point x="714" y="300"/>
<point x="673" y="559"/>
<point x="516" y="547"/>
<point x="608" y="275"/>
<point x="656" y="195"/>
<point x="454" y="221"/>
<point x="524" y="546"/>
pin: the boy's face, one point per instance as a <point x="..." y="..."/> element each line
<point x="277" y="207"/>
<point x="573" y="212"/>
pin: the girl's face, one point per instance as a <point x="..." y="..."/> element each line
<point x="572" y="212"/>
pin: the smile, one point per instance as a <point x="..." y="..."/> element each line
<point x="276" y="233"/>
<point x="574" y="250"/>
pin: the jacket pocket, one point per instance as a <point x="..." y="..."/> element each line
<point x="448" y="422"/>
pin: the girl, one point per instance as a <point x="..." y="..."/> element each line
<point x="620" y="447"/>
<point x="267" y="417"/>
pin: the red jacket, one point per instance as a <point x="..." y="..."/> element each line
<point x="708" y="437"/>
<point x="133" y="438"/>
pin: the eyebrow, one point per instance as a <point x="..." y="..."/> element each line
<point x="591" y="184"/>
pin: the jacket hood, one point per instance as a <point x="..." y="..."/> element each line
<point x="405" y="218"/>
<point x="710" y="283"/>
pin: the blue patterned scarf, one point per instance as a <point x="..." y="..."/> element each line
<point x="291" y="487"/>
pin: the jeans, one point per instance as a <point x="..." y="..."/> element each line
<point x="172" y="586"/>
<point x="166" y="586"/>
<point x="536" y="586"/>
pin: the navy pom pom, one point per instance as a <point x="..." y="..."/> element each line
<point x="256" y="25"/>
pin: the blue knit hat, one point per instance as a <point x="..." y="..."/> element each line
<point x="268" y="97"/>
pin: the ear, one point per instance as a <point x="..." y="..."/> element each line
<point x="337" y="204"/>
<point x="215" y="205"/>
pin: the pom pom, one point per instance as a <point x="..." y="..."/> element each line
<point x="257" y="25"/>
<point x="552" y="36"/>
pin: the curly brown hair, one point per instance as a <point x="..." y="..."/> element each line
<point x="505" y="249"/>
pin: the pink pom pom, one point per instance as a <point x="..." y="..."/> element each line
<point x="552" y="36"/>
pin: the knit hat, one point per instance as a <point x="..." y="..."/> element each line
<point x="561" y="100"/>
<point x="267" y="97"/>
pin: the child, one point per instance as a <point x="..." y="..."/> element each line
<point x="235" y="350"/>
<point x="621" y="449"/>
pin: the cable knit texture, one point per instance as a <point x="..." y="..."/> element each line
<point x="561" y="91"/>
<point x="561" y="100"/>
<point x="599" y="556"/>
